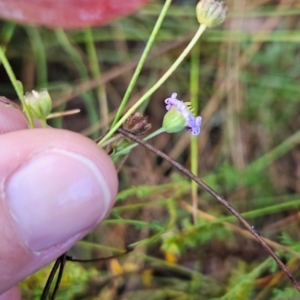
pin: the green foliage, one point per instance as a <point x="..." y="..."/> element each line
<point x="74" y="282"/>
<point x="285" y="294"/>
<point x="241" y="284"/>
<point x="145" y="191"/>
<point x="191" y="237"/>
<point x="247" y="150"/>
<point x="287" y="240"/>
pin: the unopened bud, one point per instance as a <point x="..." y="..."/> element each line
<point x="39" y="103"/>
<point x="211" y="13"/>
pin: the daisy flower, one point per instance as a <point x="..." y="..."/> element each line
<point x="180" y="116"/>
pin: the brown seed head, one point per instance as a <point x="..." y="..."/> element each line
<point x="137" y="124"/>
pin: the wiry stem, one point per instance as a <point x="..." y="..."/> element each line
<point x="168" y="73"/>
<point x="219" y="198"/>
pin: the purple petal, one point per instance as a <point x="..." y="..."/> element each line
<point x="193" y="124"/>
<point x="198" y="121"/>
<point x="173" y="101"/>
<point x="195" y="131"/>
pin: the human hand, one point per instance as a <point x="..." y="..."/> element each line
<point x="55" y="187"/>
<point x="67" y="14"/>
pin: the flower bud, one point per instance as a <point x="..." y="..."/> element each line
<point x="211" y="13"/>
<point x="39" y="103"/>
<point x="173" y="121"/>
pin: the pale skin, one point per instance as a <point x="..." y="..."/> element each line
<point x="55" y="187"/>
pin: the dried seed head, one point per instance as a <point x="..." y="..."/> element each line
<point x="137" y="124"/>
<point x="211" y="13"/>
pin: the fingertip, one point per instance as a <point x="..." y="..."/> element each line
<point x="12" y="294"/>
<point x="59" y="185"/>
<point x="11" y="117"/>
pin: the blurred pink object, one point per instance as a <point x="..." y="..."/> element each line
<point x="69" y="14"/>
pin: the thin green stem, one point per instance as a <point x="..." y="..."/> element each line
<point x="182" y="56"/>
<point x="172" y="209"/>
<point x="194" y="88"/>
<point x="6" y="33"/>
<point x="280" y="207"/>
<point x="82" y="70"/>
<point x="127" y="149"/>
<point x="150" y="259"/>
<point x="17" y="86"/>
<point x="128" y="222"/>
<point x="142" y="60"/>
<point x="141" y="205"/>
<point x="148" y="241"/>
<point x="96" y="73"/>
<point x="268" y="158"/>
<point x="44" y="123"/>
<point x="40" y="55"/>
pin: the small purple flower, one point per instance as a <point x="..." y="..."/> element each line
<point x="192" y="123"/>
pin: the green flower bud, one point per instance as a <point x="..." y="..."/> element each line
<point x="39" y="104"/>
<point x="173" y="121"/>
<point x="211" y="13"/>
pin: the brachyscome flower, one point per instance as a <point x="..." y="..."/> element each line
<point x="179" y="116"/>
<point x="211" y="13"/>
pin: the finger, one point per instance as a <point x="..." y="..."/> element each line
<point x="56" y="186"/>
<point x="11" y="117"/>
<point x="11" y="294"/>
<point x="68" y="14"/>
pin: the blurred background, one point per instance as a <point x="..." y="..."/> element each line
<point x="245" y="75"/>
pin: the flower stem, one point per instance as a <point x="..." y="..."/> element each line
<point x="142" y="59"/>
<point x="17" y="86"/>
<point x="169" y="72"/>
<point x="44" y="123"/>
<point x="194" y="88"/>
<point x="127" y="149"/>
